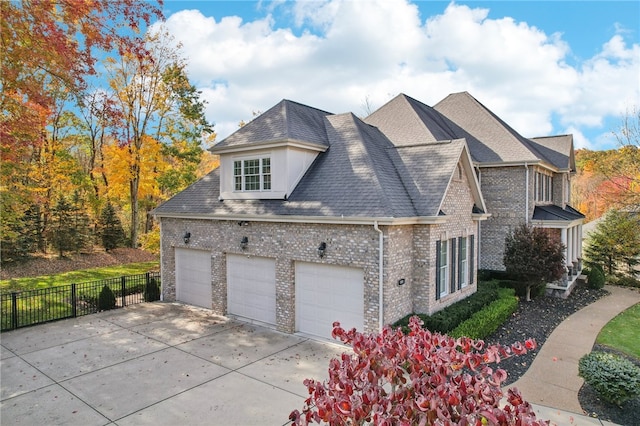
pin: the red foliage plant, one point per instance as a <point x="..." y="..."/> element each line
<point x="421" y="378"/>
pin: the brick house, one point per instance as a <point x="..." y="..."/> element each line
<point x="314" y="217"/>
<point x="522" y="180"/>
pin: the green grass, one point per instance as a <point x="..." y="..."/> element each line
<point x="80" y="276"/>
<point x="623" y="332"/>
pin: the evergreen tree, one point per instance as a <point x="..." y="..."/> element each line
<point x="62" y="234"/>
<point x="110" y="228"/>
<point x="81" y="226"/>
<point x="534" y="257"/>
<point x="614" y="245"/>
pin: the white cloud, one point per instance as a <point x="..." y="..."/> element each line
<point x="348" y="51"/>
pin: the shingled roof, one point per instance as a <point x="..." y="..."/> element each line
<point x="362" y="174"/>
<point x="285" y="121"/>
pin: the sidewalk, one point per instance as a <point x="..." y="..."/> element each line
<point x="551" y="384"/>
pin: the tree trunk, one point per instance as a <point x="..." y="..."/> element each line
<point x="529" y="293"/>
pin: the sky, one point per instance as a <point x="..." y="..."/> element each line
<point x="544" y="67"/>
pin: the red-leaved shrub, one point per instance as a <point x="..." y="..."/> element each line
<point x="421" y="378"/>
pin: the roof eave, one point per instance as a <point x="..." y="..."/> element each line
<point x="342" y="220"/>
<point x="274" y="143"/>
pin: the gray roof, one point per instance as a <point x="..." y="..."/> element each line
<point x="553" y="212"/>
<point x="287" y="120"/>
<point x="557" y="150"/>
<point x="500" y="143"/>
<point x="361" y="174"/>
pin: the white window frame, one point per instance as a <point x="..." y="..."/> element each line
<point x="243" y="180"/>
<point x="543" y="187"/>
<point x="444" y="268"/>
<point x="464" y="262"/>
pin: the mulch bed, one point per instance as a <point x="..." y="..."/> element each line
<point x="47" y="265"/>
<point x="537" y="319"/>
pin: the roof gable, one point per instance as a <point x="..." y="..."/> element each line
<point x="285" y="121"/>
<point x="501" y="142"/>
<point x="557" y="150"/>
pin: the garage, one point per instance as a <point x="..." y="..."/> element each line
<point x="193" y="277"/>
<point x="328" y="293"/>
<point x="251" y="291"/>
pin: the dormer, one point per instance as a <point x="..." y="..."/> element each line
<point x="266" y="158"/>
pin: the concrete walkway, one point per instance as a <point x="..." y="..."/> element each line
<point x="552" y="381"/>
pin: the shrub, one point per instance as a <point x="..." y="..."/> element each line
<point x="521" y="288"/>
<point x="106" y="300"/>
<point x="625" y="281"/>
<point x="615" y="378"/>
<point x="419" y="378"/>
<point x="595" y="278"/>
<point x="486" y="321"/>
<point x="152" y="291"/>
<point x="450" y="317"/>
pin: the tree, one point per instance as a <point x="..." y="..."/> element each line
<point x="421" y="378"/>
<point x="534" y="257"/>
<point x="615" y="242"/>
<point x="111" y="230"/>
<point x="156" y="104"/>
<point x="61" y="233"/>
<point x="627" y="166"/>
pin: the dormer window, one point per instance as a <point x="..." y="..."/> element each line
<point x="252" y="174"/>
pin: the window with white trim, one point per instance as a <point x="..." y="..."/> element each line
<point x="252" y="174"/>
<point x="544" y="187"/>
<point x="442" y="282"/>
<point x="463" y="262"/>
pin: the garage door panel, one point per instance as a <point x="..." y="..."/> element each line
<point x="251" y="289"/>
<point x="328" y="293"/>
<point x="193" y="277"/>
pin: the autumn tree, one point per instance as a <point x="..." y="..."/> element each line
<point x="532" y="256"/>
<point x="615" y="242"/>
<point x="157" y="105"/>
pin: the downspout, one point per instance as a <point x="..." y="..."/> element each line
<point x="380" y="275"/>
<point x="526" y="197"/>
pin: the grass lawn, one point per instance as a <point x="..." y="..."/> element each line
<point x="79" y="276"/>
<point x="623" y="332"/>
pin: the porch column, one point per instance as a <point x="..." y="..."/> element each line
<point x="563" y="238"/>
<point x="574" y="249"/>
<point x="580" y="247"/>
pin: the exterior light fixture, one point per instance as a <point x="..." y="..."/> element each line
<point x="321" y="249"/>
<point x="244" y="242"/>
<point x="186" y="237"/>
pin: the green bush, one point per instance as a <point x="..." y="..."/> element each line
<point x="106" y="300"/>
<point x="615" y="378"/>
<point x="624" y="280"/>
<point x="152" y="291"/>
<point x="486" y="321"/>
<point x="521" y="288"/>
<point x="450" y="317"/>
<point x="595" y="278"/>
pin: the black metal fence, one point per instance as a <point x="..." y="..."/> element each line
<point x="30" y="307"/>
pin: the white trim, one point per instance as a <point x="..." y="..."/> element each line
<point x="276" y="143"/>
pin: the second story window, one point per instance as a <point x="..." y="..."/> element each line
<point x="252" y="174"/>
<point x="544" y="187"/>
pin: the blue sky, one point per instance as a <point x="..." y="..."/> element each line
<point x="546" y="67"/>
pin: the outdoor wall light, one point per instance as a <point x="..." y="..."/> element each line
<point x="244" y="242"/>
<point x="186" y="237"/>
<point x="321" y="249"/>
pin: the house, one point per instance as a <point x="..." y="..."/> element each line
<point x="314" y="217"/>
<point x="522" y="180"/>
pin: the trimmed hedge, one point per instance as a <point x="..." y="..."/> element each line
<point x="450" y="317"/>
<point x="484" y="322"/>
<point x="595" y="278"/>
<point x="615" y="378"/>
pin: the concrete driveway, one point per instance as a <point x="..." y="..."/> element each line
<point x="156" y="363"/>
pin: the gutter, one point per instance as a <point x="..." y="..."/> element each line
<point x="380" y="275"/>
<point x="526" y="198"/>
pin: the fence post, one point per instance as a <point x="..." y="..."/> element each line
<point x="123" y="287"/>
<point x="74" y="301"/>
<point x="14" y="310"/>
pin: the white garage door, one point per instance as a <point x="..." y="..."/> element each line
<point x="327" y="293"/>
<point x="193" y="277"/>
<point x="251" y="291"/>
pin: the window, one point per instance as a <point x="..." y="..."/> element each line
<point x="252" y="175"/>
<point x="463" y="262"/>
<point x="544" y="187"/>
<point x="442" y="268"/>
